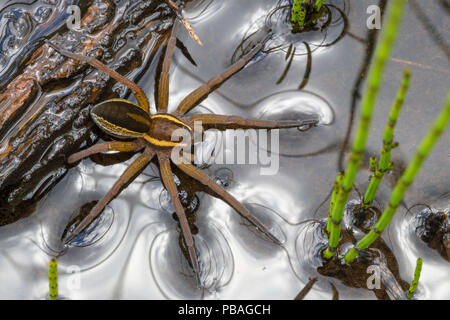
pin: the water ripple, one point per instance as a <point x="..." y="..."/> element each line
<point x="172" y="272"/>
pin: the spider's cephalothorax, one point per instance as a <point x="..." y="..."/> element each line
<point x="152" y="134"/>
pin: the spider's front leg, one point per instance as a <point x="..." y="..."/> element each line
<point x="199" y="94"/>
<point x="140" y="163"/>
<point x="221" y="122"/>
<point x="163" y="87"/>
<point x="137" y="91"/>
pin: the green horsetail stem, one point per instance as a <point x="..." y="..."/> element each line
<point x="298" y="14"/>
<point x="385" y="165"/>
<point x="382" y="51"/>
<point x="319" y="4"/>
<point x="336" y="186"/>
<point x="415" y="283"/>
<point x="405" y="181"/>
<point x="53" y="278"/>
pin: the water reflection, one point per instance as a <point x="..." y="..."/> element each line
<point x="172" y="272"/>
<point x="101" y="239"/>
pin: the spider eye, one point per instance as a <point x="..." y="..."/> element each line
<point x="121" y="118"/>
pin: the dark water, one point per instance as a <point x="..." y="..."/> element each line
<point x="139" y="257"/>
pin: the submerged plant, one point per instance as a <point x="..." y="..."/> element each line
<point x="319" y="4"/>
<point x="433" y="228"/>
<point x="305" y="13"/>
<point x="298" y="13"/>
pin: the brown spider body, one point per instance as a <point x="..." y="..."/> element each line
<point x="152" y="134"/>
<point x="125" y="120"/>
<point x="162" y="128"/>
<point x="121" y="119"/>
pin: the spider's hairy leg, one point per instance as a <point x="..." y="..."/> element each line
<point x="186" y="24"/>
<point x="125" y="178"/>
<point x="203" y="91"/>
<point x="222" y="122"/>
<point x="163" y="88"/>
<point x="167" y="177"/>
<point x="137" y="91"/>
<point x="122" y="146"/>
<point x="173" y="5"/>
<point x="198" y="175"/>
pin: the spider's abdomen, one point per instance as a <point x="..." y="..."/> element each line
<point x="162" y="131"/>
<point x="121" y="118"/>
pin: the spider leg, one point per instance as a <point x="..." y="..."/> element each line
<point x="198" y="175"/>
<point x="166" y="174"/>
<point x="121" y="146"/>
<point x="186" y="24"/>
<point x="203" y="91"/>
<point x="222" y="122"/>
<point x="137" y="91"/>
<point x="163" y="88"/>
<point x="125" y="178"/>
<point x="173" y="5"/>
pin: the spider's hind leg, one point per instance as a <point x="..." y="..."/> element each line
<point x="127" y="176"/>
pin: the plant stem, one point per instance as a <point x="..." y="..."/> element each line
<point x="405" y="181"/>
<point x="385" y="165"/>
<point x="319" y="4"/>
<point x="298" y="13"/>
<point x="336" y="186"/>
<point x="417" y="272"/>
<point x="53" y="278"/>
<point x="383" y="49"/>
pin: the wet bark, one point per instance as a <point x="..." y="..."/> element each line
<point x="44" y="108"/>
